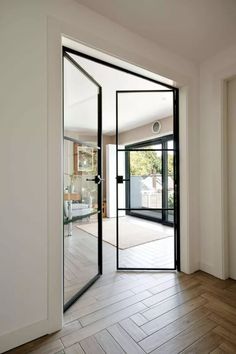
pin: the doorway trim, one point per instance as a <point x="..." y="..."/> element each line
<point x="73" y="35"/>
<point x="117" y="67"/>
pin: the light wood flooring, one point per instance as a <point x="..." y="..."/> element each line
<point x="139" y="313"/>
<point x="80" y="260"/>
<point x="155" y="254"/>
<point x="81" y="255"/>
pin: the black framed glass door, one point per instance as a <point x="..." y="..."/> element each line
<point x="147" y="192"/>
<point x="82" y="190"/>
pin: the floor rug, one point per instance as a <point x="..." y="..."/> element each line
<point x="132" y="231"/>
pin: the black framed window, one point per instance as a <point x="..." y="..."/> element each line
<point x="151" y="179"/>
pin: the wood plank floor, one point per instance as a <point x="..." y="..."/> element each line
<point x="147" y="313"/>
<point x="81" y="261"/>
<point x="81" y="256"/>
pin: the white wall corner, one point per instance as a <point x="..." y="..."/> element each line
<point x="55" y="179"/>
<point x="189" y="185"/>
<point x="213" y="162"/>
<point x="224" y="186"/>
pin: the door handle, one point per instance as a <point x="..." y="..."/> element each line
<point x="97" y="179"/>
<point x="121" y="179"/>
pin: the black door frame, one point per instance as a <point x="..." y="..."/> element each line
<point x="176" y="139"/>
<point x="120" y="179"/>
<point x="99" y="172"/>
<point x="157" y="141"/>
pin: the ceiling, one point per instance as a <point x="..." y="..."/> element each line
<point x="134" y="109"/>
<point x="194" y="29"/>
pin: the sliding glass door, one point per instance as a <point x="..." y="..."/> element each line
<point x="82" y="179"/>
<point x="150" y="172"/>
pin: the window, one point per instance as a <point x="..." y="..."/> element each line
<point x="150" y="171"/>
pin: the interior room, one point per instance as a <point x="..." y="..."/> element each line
<point x="117" y="208"/>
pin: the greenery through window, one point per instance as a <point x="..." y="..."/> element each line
<point x="148" y="162"/>
<point x="142" y="164"/>
<point x="151" y="174"/>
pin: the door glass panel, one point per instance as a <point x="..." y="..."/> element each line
<point x="81" y="164"/>
<point x="142" y="187"/>
<point x="146" y="238"/>
<point x="144" y="244"/>
<point x="141" y="109"/>
<point x="142" y="180"/>
<point x="145" y="179"/>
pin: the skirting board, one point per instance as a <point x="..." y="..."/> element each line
<point x="210" y="269"/>
<point x="23" y="335"/>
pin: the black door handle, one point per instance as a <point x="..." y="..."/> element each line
<point x="97" y="179"/>
<point x="121" y="179"/>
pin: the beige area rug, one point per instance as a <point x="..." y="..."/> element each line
<point x="131" y="232"/>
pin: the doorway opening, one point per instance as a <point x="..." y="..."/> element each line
<point x="120" y="127"/>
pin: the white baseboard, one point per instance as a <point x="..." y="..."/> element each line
<point x="23" y="335"/>
<point x="194" y="267"/>
<point x="211" y="270"/>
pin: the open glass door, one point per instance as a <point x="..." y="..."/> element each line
<point x="147" y="186"/>
<point x="82" y="179"/>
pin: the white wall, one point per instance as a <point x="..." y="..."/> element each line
<point x="111" y="180"/>
<point x="231" y="138"/>
<point x="145" y="132"/>
<point x="31" y="166"/>
<point x="213" y="163"/>
<point x="23" y="180"/>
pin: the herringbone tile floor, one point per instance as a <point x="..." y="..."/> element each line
<point x="147" y="313"/>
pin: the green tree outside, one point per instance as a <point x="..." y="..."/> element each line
<point x="148" y="162"/>
<point x="144" y="163"/>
